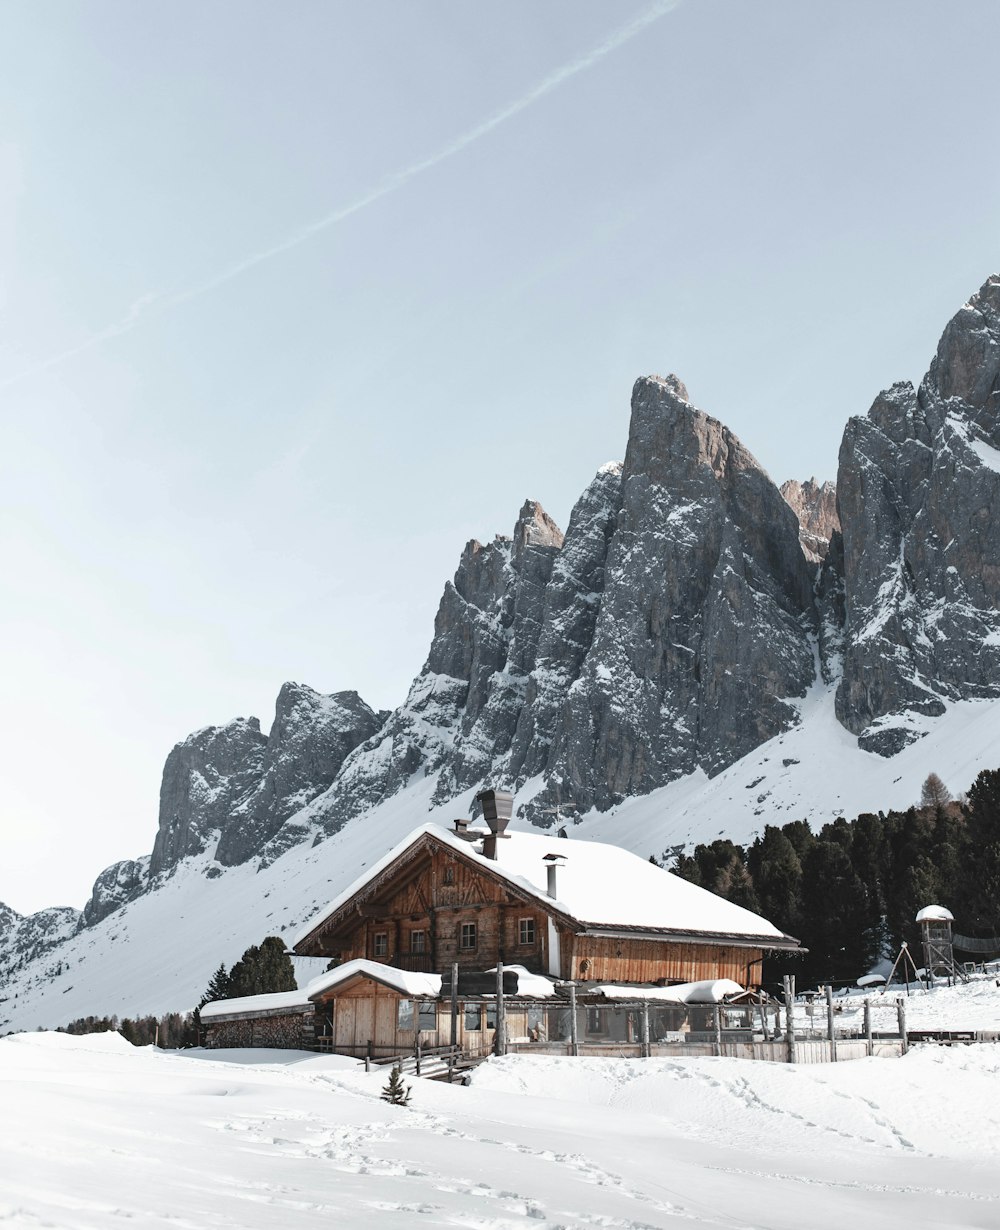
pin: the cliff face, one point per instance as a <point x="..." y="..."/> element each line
<point x="703" y="630"/>
<point x="669" y="630"/>
<point x="919" y="494"/>
<point x="231" y="788"/>
<point x="815" y="506"/>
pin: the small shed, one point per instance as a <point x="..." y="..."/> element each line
<point x="284" y="1020"/>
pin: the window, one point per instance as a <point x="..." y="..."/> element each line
<point x="428" y="1015"/>
<point x="469" y="937"/>
<point x="491" y="1016"/>
<point x="449" y="874"/>
<point x="381" y="948"/>
<point x="596" y="1021"/>
<point x="406" y="1014"/>
<point x="473" y="1018"/>
<point x="526" y="931"/>
<point x="418" y="941"/>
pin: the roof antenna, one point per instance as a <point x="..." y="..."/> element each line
<point x="557" y="811"/>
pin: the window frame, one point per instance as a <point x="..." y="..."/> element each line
<point x="526" y="928"/>
<point x="468" y="937"/>
<point x="418" y="947"/>
<point x="380" y="943"/>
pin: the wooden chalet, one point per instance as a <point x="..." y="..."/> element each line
<point x="552" y="912"/>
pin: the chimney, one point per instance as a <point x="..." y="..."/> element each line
<point x="462" y="830"/>
<point x="497" y="808"/>
<point x="552" y="861"/>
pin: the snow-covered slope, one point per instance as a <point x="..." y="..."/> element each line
<point x="157" y="953"/>
<point x="814" y="772"/>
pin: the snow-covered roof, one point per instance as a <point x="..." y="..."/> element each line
<point x="601" y="886"/>
<point x="535" y="985"/>
<point x="280" y="1000"/>
<point x="417" y="986"/>
<point x="406" y="982"/>
<point x="934" y="913"/>
<point x="710" y="991"/>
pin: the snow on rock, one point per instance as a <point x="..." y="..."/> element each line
<point x="919" y="493"/>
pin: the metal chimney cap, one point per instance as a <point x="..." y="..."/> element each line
<point x="553" y="858"/>
<point x="498" y="807"/>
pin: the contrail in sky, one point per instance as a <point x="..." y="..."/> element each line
<point x="389" y="185"/>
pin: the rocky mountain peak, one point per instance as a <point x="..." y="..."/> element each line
<point x="231" y="788"/>
<point x="815" y="506"/>
<point x="919" y="493"/>
<point x="967" y="363"/>
<point x="535" y="528"/>
<point x="671" y="383"/>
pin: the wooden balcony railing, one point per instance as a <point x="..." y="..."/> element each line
<point x="416" y="962"/>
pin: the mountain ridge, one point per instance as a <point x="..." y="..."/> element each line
<point x="685" y="620"/>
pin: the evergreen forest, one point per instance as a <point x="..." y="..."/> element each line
<point x="850" y="892"/>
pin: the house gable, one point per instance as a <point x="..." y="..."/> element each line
<point x="432" y="906"/>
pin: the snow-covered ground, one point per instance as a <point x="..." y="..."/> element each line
<point x="96" y="1134"/>
<point x="973" y="1005"/>
<point x="157" y="954"/>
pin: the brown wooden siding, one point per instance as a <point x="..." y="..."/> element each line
<point x="437" y="895"/>
<point x="588" y="958"/>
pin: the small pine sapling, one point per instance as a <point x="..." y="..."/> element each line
<point x="395" y="1092"/>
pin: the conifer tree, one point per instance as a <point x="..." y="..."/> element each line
<point x="218" y="987"/>
<point x="394" y="1091"/>
<point x="262" y="970"/>
<point x="979" y="901"/>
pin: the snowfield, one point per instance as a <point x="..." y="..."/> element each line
<point x="98" y="1134"/>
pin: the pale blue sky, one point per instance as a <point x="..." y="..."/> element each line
<point x="212" y="481"/>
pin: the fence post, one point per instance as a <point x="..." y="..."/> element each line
<point x="645" y="1029"/>
<point x="901" y="1017"/>
<point x="790" y="1017"/>
<point x="869" y="1045"/>
<point x="830" y="1030"/>
<point x="454" y="1004"/>
<point x="574" y="1045"/>
<point x="500" y="1041"/>
<point x="717" y="1025"/>
<point x="368" y="1056"/>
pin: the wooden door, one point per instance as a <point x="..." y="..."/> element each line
<point x="364" y="1021"/>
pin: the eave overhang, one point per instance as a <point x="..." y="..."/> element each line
<point x="770" y="943"/>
